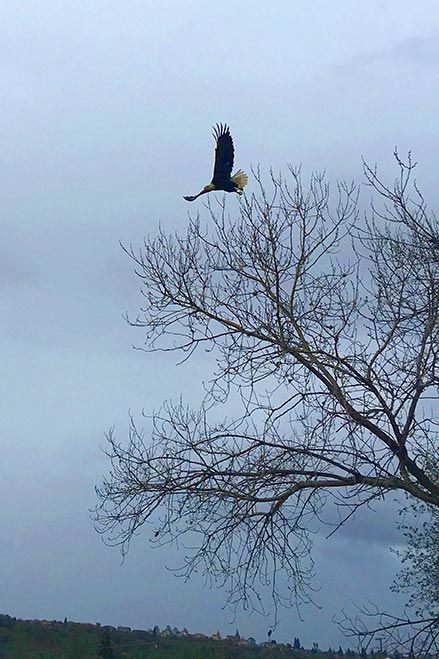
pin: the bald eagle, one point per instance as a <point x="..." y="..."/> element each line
<point x="222" y="171"/>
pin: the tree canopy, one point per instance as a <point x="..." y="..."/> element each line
<point x="323" y="321"/>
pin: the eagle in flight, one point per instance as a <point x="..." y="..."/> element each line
<point x="222" y="170"/>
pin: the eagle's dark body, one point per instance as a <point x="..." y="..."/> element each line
<point x="222" y="172"/>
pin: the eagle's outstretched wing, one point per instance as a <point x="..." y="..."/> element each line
<point x="224" y="153"/>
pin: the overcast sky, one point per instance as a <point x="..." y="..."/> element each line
<point x="105" y="122"/>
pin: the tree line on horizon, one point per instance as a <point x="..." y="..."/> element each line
<point x="34" y="639"/>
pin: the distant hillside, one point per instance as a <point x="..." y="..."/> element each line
<point x="43" y="639"/>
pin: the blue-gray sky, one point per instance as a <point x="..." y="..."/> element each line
<point x="106" y="115"/>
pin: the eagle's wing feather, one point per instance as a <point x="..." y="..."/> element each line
<point x="224" y="153"/>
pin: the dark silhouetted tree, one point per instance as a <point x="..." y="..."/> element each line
<point x="324" y="328"/>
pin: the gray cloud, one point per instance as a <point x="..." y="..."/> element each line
<point x="420" y="52"/>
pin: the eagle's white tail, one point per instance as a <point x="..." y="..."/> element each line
<point x="240" y="179"/>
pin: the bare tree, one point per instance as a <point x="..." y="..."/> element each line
<point x="324" y="327"/>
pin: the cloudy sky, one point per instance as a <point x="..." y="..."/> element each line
<point x="106" y="115"/>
